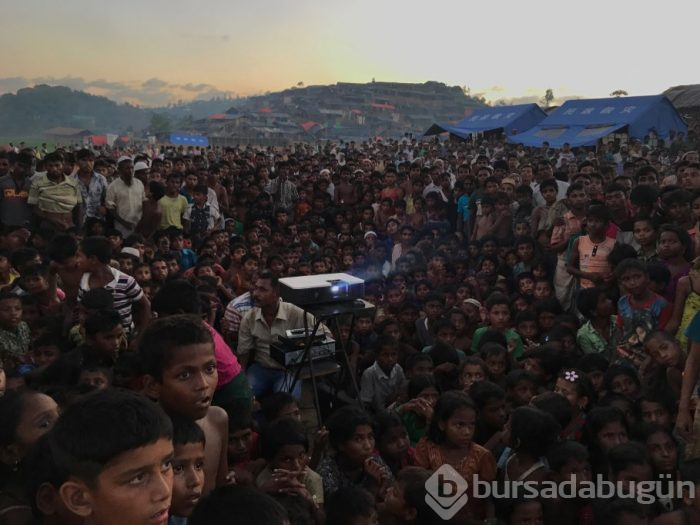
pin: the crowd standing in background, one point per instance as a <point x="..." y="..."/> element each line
<point x="536" y="320"/>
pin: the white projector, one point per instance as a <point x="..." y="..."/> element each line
<point x="324" y="288"/>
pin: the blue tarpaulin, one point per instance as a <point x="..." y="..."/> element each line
<point x="184" y="139"/>
<point x="584" y="122"/>
<point x="512" y="119"/>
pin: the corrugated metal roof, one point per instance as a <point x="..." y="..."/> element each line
<point x="684" y="96"/>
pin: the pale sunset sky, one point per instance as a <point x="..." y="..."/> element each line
<point x="153" y="52"/>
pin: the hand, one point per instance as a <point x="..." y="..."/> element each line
<point x="512" y="345"/>
<point x="321" y="440"/>
<point x="375" y="470"/>
<point x="684" y="424"/>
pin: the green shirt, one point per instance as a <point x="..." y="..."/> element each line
<point x="511" y="335"/>
<point x="590" y="341"/>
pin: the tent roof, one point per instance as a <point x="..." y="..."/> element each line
<point x="513" y="120"/>
<point x="684" y="96"/>
<point x="185" y="139"/>
<point x="583" y="122"/>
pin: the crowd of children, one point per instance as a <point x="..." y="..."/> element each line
<point x="535" y="321"/>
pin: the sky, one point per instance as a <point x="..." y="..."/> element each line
<point x="154" y="52"/>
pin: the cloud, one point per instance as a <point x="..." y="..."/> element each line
<point x="206" y="37"/>
<point x="154" y="92"/>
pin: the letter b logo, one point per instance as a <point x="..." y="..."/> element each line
<point x="446" y="492"/>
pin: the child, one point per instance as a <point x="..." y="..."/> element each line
<point x="519" y="510"/>
<point x="351" y="506"/>
<point x="93" y="258"/>
<point x="568" y="463"/>
<point x="243" y="441"/>
<point x="393" y="442"/>
<point x="351" y="435"/>
<point x="280" y="405"/>
<point x="645" y="235"/>
<point x="687" y="304"/>
<point x="598" y="335"/>
<point x="172" y="204"/>
<point x="498" y="315"/>
<point x="640" y="311"/>
<point x="450" y="441"/>
<point x="675" y="252"/>
<point x="381" y="382"/>
<point x="526" y="327"/>
<point x="490" y="402"/>
<point x="178" y="358"/>
<point x="96" y="375"/>
<point x="521" y="387"/>
<point x="417" y="412"/>
<point x="40" y="283"/>
<point x="7" y="274"/>
<point x="471" y="371"/>
<point x="486" y="222"/>
<point x="689" y="514"/>
<point x="188" y="469"/>
<point x="606" y="427"/>
<point x="91" y="303"/>
<point x="495" y="357"/>
<point x="247" y="504"/>
<point x="405" y="502"/>
<point x="200" y="218"/>
<point x="121" y="436"/>
<point x="540" y="216"/>
<point x="589" y="253"/>
<point x="622" y="379"/>
<point x="668" y="359"/>
<point x="14" y="333"/>
<point x="285" y="448"/>
<point x="575" y="386"/>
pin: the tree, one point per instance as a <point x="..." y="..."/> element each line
<point x="548" y="98"/>
<point x="619" y="93"/>
<point x="160" y="123"/>
<point x="300" y="84"/>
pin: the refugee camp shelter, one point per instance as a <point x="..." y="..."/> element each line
<point x="511" y="119"/>
<point x="583" y="122"/>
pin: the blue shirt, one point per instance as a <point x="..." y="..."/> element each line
<point x="693" y="330"/>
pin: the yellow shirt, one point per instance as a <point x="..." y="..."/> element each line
<point x="172" y="208"/>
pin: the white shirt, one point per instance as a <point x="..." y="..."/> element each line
<point x="126" y="202"/>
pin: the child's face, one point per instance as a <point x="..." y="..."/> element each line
<point x="393" y="331"/>
<point x="292" y="458"/>
<point x="106" y="344"/>
<point x="360" y="446"/>
<point x="433" y="309"/>
<point x="39" y="415"/>
<point x="653" y="412"/>
<point x="663" y="352"/>
<point x="644" y="234"/>
<point x="10" y="313"/>
<point x="188" y="478"/>
<point x="549" y="195"/>
<point x="546" y="320"/>
<point x="239" y="442"/>
<point x="611" y="435"/>
<point x="446" y="335"/>
<point x="394" y="444"/>
<point x="543" y="290"/>
<point x="525" y="251"/>
<point x="528" y="330"/>
<point x="527" y="513"/>
<point x="422" y="367"/>
<point x="575" y="469"/>
<point x="669" y="245"/>
<point x="97" y="379"/>
<point x="488" y="266"/>
<point x="200" y="199"/>
<point x="499" y="316"/>
<point x="533" y="366"/>
<point x="494" y="413"/>
<point x="126" y="265"/>
<point x="35" y="284"/>
<point x="387" y="358"/>
<point x="471" y="374"/>
<point x="522" y="229"/>
<point x="189" y="381"/>
<point x="623" y="384"/>
<point x="522" y="393"/>
<point x="568" y="390"/>
<point x="290" y="411"/>
<point x="663" y="452"/>
<point x="364" y="325"/>
<point x="134" y="488"/>
<point x="43" y="356"/>
<point x="459" y="427"/>
<point x="635" y="282"/>
<point x="526" y="286"/>
<point x="595" y="226"/>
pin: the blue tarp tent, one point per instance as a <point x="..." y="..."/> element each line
<point x="184" y="139"/>
<point x="584" y="122"/>
<point x="512" y="119"/>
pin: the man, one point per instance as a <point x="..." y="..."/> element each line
<point x="260" y="326"/>
<point x="56" y="198"/>
<point x="282" y="189"/>
<point x="93" y="186"/>
<point x="125" y="198"/>
<point x="14" y="193"/>
<point x="545" y="172"/>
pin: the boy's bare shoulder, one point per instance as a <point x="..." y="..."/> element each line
<point x="217" y="416"/>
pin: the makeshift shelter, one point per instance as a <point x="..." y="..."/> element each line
<point x="584" y="122"/>
<point x="185" y="139"/>
<point x="511" y="119"/>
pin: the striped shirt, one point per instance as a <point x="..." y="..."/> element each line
<point x="55" y="197"/>
<point x="126" y="293"/>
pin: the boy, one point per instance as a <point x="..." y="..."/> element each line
<point x="381" y="382"/>
<point x="91" y="302"/>
<point x="405" y="502"/>
<point x="200" y="218"/>
<point x="540" y="216"/>
<point x="115" y="448"/>
<point x="188" y="469"/>
<point x="93" y="258"/>
<point x="96" y="375"/>
<point x="490" y="402"/>
<point x="7" y="274"/>
<point x="589" y="253"/>
<point x="486" y="222"/>
<point x="180" y="366"/>
<point x="521" y="387"/>
<point x="640" y="311"/>
<point x="40" y="283"/>
<point x="498" y="313"/>
<point x="645" y="235"/>
<point x="172" y="204"/>
<point x="569" y="463"/>
<point x="14" y="333"/>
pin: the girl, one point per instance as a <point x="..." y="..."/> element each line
<point x="532" y="433"/>
<point x="605" y="428"/>
<point x="664" y="372"/>
<point x="354" y="462"/>
<point x="495" y="357"/>
<point x="418" y="411"/>
<point x="622" y="380"/>
<point x="471" y="371"/>
<point x="25" y="416"/>
<point x="662" y="448"/>
<point x="393" y="443"/>
<point x="449" y="441"/>
<point x="675" y="252"/>
<point x="461" y="323"/>
<point x="687" y="304"/>
<point x="575" y="386"/>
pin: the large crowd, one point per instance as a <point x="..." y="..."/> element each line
<point x="535" y="320"/>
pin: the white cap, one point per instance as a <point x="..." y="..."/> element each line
<point x="122" y="159"/>
<point x="140" y="166"/>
